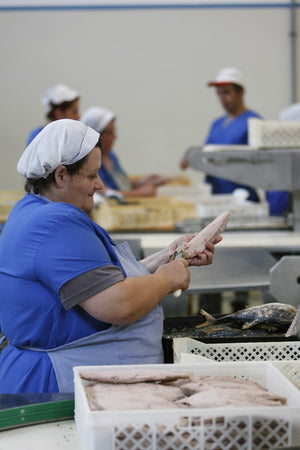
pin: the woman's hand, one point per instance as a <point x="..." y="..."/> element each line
<point x="146" y="190"/>
<point x="152" y="262"/>
<point x="134" y="297"/>
<point x="203" y="258"/>
<point x="177" y="273"/>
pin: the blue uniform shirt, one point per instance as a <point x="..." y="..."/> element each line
<point x="235" y="132"/>
<point x="33" y="134"/>
<point x="42" y="246"/>
<point x="106" y="176"/>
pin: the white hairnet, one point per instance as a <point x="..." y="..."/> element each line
<point x="58" y="94"/>
<point x="97" y="117"/>
<point x="61" y="142"/>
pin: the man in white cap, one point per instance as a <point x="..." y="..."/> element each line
<point x="231" y="128"/>
<point x="59" y="102"/>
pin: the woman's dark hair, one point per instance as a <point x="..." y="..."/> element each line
<point x="62" y="106"/>
<point x="37" y="185"/>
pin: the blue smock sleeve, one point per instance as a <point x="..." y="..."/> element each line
<point x="71" y="246"/>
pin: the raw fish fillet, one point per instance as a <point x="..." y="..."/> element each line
<point x="132" y="396"/>
<point x="208" y="234"/>
<point x="131" y="376"/>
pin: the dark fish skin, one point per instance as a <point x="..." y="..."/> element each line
<point x="220" y="331"/>
<point x="272" y="316"/>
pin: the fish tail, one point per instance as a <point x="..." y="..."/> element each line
<point x="209" y="318"/>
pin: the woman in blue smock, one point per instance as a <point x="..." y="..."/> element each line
<point x="70" y="296"/>
<point x="59" y="102"/>
<point x="111" y="172"/>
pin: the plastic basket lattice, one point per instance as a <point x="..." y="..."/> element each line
<point x="206" y="433"/>
<point x="273" y="134"/>
<point x="250" y="351"/>
<point x="291" y="369"/>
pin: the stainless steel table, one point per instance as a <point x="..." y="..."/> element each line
<point x="234" y="269"/>
<point x="274" y="241"/>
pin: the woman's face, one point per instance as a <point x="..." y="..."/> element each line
<point x="108" y="136"/>
<point x="80" y="187"/>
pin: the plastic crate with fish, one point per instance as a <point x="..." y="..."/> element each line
<point x="202" y="428"/>
<point x="193" y="351"/>
<point x="273" y="134"/>
<point x="258" y="324"/>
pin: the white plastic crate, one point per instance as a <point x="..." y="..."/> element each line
<point x="291" y="369"/>
<point x="234" y="428"/>
<point x="273" y="134"/>
<point x="192" y="350"/>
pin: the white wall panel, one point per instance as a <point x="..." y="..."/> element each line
<point x="150" y="66"/>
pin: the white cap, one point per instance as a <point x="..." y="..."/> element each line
<point x="61" y="142"/>
<point x="57" y="95"/>
<point x="97" y="117"/>
<point x="291" y="113"/>
<point x="228" y="75"/>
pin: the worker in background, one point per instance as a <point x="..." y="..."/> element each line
<point x="231" y="128"/>
<point x="70" y="296"/>
<point x="111" y="172"/>
<point x="59" y="102"/>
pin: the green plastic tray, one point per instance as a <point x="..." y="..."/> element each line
<point x="28" y="413"/>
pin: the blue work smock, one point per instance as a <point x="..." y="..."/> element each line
<point x="44" y="245"/>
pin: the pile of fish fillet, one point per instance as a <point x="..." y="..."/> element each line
<point x="159" y="389"/>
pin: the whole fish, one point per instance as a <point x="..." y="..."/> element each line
<point x="220" y="331"/>
<point x="272" y="316"/>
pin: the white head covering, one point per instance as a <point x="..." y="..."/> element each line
<point x="291" y="113"/>
<point x="60" y="142"/>
<point x="97" y="117"/>
<point x="58" y="94"/>
<point x="228" y="75"/>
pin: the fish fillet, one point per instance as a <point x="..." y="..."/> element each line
<point x="132" y="396"/>
<point x="207" y="235"/>
<point x="198" y="392"/>
<point x="131" y="376"/>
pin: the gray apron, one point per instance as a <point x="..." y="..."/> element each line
<point x="137" y="343"/>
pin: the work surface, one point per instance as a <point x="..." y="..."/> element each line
<point x="242" y="260"/>
<point x="274" y="241"/>
<point x="47" y="436"/>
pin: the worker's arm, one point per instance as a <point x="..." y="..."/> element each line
<point x="134" y="297"/>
